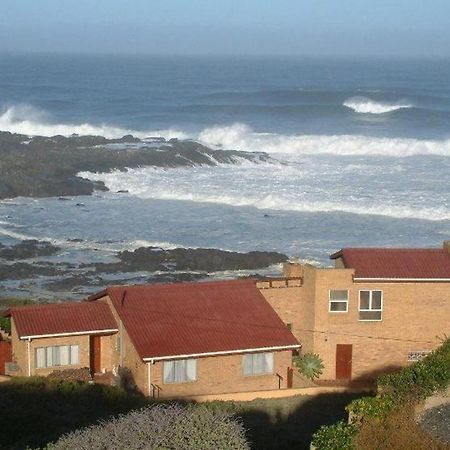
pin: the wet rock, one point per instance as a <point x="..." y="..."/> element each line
<point x="21" y="270"/>
<point x="154" y="259"/>
<point x="28" y="249"/>
<point x="48" y="167"/>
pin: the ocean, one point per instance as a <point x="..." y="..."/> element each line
<point x="362" y="150"/>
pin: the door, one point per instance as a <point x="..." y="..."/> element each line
<point x="95" y="354"/>
<point x="5" y="355"/>
<point x="290" y="376"/>
<point x="344" y="361"/>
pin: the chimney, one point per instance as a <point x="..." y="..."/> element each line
<point x="292" y="268"/>
<point x="447" y="246"/>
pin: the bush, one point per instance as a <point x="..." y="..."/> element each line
<point x="335" y="437"/>
<point x="421" y="379"/>
<point x="160" y="427"/>
<point x="5" y="324"/>
<point x="310" y="365"/>
<point x="82" y="375"/>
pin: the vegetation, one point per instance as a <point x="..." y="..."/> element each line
<point x="387" y="421"/>
<point x="53" y="408"/>
<point x="161" y="427"/>
<point x="310" y="365"/>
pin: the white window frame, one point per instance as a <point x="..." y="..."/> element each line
<point x="254" y="372"/>
<point x="338" y="301"/>
<point x="185" y="378"/>
<point x="50" y="350"/>
<point x="370" y="305"/>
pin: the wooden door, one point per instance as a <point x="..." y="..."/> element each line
<point x="344" y="361"/>
<point x="5" y="355"/>
<point x="95" y="354"/>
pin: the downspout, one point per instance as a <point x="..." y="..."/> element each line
<point x="29" y="357"/>
<point x="121" y="344"/>
<point x="149" y="375"/>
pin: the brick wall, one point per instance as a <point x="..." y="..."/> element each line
<point x="223" y="374"/>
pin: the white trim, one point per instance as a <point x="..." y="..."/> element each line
<point x="149" y="378"/>
<point x="338" y="301"/>
<point x="29" y="357"/>
<point x="401" y="279"/>
<point x="225" y="352"/>
<point x="370" y="304"/>
<point x="75" y="333"/>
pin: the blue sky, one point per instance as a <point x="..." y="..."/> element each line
<point x="298" y="27"/>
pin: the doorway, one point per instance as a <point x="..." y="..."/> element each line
<point x="95" y="354"/>
<point x="344" y="354"/>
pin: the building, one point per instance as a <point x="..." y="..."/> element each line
<point x="168" y="340"/>
<point x="378" y="309"/>
<point x="374" y="311"/>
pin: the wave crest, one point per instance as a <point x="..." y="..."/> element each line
<point x="241" y="137"/>
<point x="364" y="105"/>
<point x="25" y="119"/>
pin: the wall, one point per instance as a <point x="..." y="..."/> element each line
<point x="20" y="352"/>
<point x="415" y="316"/>
<point x="223" y="374"/>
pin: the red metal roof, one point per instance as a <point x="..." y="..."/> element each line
<point x="401" y="263"/>
<point x="62" y="318"/>
<point x="196" y="318"/>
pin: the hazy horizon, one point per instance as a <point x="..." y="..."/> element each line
<point x="322" y="28"/>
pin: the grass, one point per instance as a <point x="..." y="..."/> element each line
<point x="35" y="411"/>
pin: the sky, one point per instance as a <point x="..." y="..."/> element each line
<point x="228" y="27"/>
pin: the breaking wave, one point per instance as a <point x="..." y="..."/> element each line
<point x="233" y="186"/>
<point x="241" y="137"/>
<point x="29" y="121"/>
<point x="365" y="105"/>
<point x="24" y="119"/>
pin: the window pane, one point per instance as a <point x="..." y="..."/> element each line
<point x="364" y="300"/>
<point x="370" y="315"/>
<point x="191" y="370"/>
<point x="74" y="354"/>
<point x="376" y="299"/>
<point x="49" y="356"/>
<point x="169" y="371"/>
<point x="338" y="295"/>
<point x="248" y="364"/>
<point x="55" y="356"/>
<point x="40" y="358"/>
<point x="268" y="362"/>
<point x="338" y="306"/>
<point x="64" y="355"/>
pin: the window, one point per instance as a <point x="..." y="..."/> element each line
<point x="338" y="300"/>
<point x="180" y="371"/>
<point x="370" y="305"/>
<point x="58" y="355"/>
<point x="257" y="363"/>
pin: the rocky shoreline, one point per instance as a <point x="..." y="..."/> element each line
<point x="48" y="166"/>
<point x="29" y="263"/>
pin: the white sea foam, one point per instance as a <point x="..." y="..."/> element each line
<point x="365" y="105"/>
<point x="282" y="188"/>
<point x="24" y="119"/>
<point x="241" y="137"/>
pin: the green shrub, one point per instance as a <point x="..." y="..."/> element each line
<point x="310" y="365"/>
<point x="168" y="427"/>
<point x="5" y="324"/>
<point x="375" y="407"/>
<point x="335" y="437"/>
<point x="421" y="379"/>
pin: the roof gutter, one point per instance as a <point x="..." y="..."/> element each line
<point x="402" y="279"/>
<point x="224" y="352"/>
<point x="75" y="333"/>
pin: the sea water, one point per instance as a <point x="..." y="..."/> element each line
<point x="360" y="147"/>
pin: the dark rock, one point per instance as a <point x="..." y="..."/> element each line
<point x="123" y="191"/>
<point x="154" y="259"/>
<point x="48" y="167"/>
<point x="28" y="249"/>
<point x="20" y="271"/>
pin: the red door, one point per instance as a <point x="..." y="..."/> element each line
<point x="344" y="361"/>
<point x="290" y="376"/>
<point x="5" y="355"/>
<point x="95" y="353"/>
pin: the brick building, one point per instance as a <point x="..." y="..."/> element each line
<point x="376" y="310"/>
